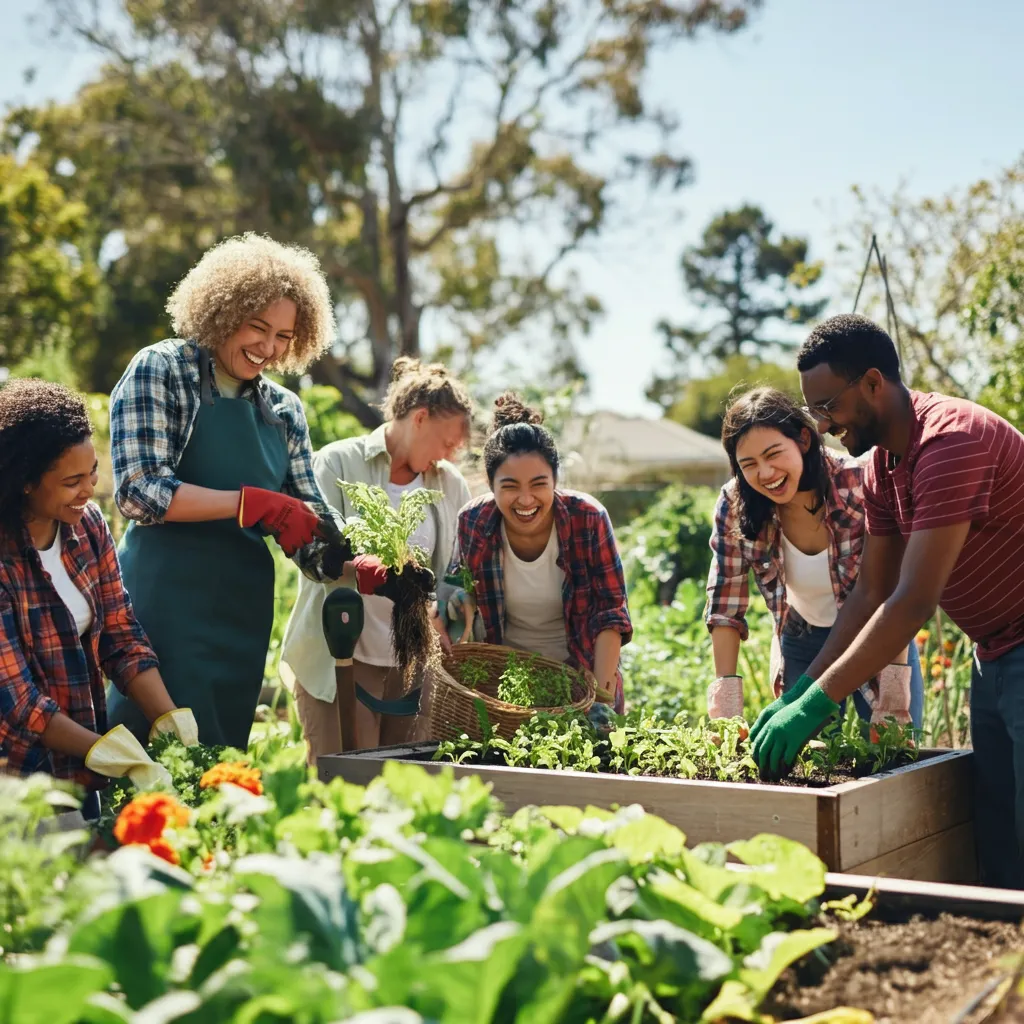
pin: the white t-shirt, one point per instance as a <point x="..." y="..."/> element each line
<point x="76" y="603"/>
<point x="809" y="585"/>
<point x="534" y="615"/>
<point x="374" y="644"/>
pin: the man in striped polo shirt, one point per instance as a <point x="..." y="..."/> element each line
<point x="944" y="490"/>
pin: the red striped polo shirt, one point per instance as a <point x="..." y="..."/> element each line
<point x="963" y="464"/>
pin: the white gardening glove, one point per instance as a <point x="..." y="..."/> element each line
<point x="118" y="753"/>
<point x="181" y="722"/>
<point x="725" y="697"/>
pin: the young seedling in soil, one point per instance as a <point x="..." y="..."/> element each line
<point x="643" y="744"/>
<point x="384" y="531"/>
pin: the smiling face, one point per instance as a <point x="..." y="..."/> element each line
<point x="433" y="438"/>
<point x="260" y="342"/>
<point x="66" y="487"/>
<point x="844" y="408"/>
<point x="524" y="488"/>
<point x="771" y="463"/>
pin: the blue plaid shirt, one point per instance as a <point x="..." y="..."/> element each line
<point x="153" y="409"/>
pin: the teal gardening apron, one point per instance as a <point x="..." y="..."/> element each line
<point x="204" y="592"/>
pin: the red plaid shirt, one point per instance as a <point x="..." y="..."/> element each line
<point x="594" y="591"/>
<point x="735" y="556"/>
<point x="45" y="667"/>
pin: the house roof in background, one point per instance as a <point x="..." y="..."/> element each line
<point x="611" y="446"/>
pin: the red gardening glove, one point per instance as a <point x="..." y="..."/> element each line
<point x="291" y="521"/>
<point x="371" y="573"/>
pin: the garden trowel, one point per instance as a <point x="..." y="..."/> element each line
<point x="343" y="623"/>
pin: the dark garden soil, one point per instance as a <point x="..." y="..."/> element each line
<point x="920" y="969"/>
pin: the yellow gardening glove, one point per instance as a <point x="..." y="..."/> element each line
<point x="118" y="753"/>
<point x="181" y="722"/>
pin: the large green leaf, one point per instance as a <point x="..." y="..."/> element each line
<point x="304" y="897"/>
<point x="467" y="981"/>
<point x="785" y="869"/>
<point x="762" y="968"/>
<point x="51" y="993"/>
<point x="137" y="939"/>
<point x="670" y="897"/>
<point x="662" y="954"/>
<point x="571" y="904"/>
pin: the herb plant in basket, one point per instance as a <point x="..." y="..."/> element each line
<point x="385" y="531"/>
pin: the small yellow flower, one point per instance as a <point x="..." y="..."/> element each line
<point x="937" y="671"/>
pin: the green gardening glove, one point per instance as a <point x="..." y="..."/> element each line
<point x="783" y="737"/>
<point x="795" y="692"/>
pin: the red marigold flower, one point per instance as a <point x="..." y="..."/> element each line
<point x="163" y="849"/>
<point x="238" y="773"/>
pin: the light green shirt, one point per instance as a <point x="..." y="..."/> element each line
<point x="358" y="460"/>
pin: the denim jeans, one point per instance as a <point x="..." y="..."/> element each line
<point x="800" y="646"/>
<point x="997" y="736"/>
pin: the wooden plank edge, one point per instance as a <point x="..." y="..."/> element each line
<point x="947" y="856"/>
<point x="936" y="755"/>
<point x="930" y="897"/>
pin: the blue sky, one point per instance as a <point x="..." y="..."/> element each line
<point x="816" y="96"/>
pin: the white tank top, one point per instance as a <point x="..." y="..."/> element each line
<point x="79" y="607"/>
<point x="534" y="615"/>
<point x="809" y="584"/>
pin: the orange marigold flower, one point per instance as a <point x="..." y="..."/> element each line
<point x="163" y="849"/>
<point x="238" y="773"/>
<point x="145" y="818"/>
<point x="937" y="671"/>
<point x="208" y="862"/>
<point x="949" y="646"/>
<point x="922" y="636"/>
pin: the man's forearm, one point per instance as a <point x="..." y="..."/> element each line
<point x="850" y="622"/>
<point x="66" y="736"/>
<point x="888" y="633"/>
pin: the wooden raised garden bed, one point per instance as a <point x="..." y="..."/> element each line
<point x="927" y="952"/>
<point x="910" y="822"/>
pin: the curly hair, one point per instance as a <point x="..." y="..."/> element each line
<point x="238" y="279"/>
<point x="517" y="430"/>
<point x="432" y="387"/>
<point x="39" y="422"/>
<point x="851" y="345"/>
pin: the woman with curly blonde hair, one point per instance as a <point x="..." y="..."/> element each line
<point x="209" y="456"/>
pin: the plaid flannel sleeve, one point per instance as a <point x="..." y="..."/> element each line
<point x="608" y="582"/>
<point x="24" y="710"/>
<point x="124" y="648"/>
<point x="728" y="587"/>
<point x="301" y="483"/>
<point x="148" y="423"/>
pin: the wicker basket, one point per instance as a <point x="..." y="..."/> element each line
<point x="452" y="705"/>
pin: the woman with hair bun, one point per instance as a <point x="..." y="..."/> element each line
<point x="65" y="619"/>
<point x="548" y="578"/>
<point x="209" y="457"/>
<point x="427" y="413"/>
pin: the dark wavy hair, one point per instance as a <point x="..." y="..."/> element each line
<point x="39" y="422"/>
<point x="768" y="407"/>
<point x="517" y="430"/>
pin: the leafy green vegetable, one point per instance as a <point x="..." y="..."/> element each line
<point x="383" y="530"/>
<point x="526" y="685"/>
